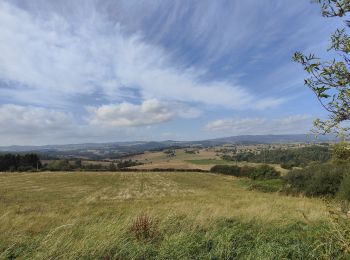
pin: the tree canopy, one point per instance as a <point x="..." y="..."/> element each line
<point x="330" y="79"/>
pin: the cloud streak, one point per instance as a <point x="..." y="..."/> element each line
<point x="58" y="59"/>
<point x="93" y="70"/>
<point x="296" y="124"/>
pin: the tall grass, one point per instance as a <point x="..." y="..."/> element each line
<point x="157" y="216"/>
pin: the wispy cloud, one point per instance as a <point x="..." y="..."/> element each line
<point x="150" y="64"/>
<point x="296" y="124"/>
<point x="58" y="59"/>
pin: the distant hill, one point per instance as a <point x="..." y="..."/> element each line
<point x="119" y="149"/>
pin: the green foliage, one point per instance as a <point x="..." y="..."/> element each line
<point x="341" y="152"/>
<point x="265" y="172"/>
<point x="288" y="165"/>
<point x="273" y="185"/>
<point x="288" y="158"/>
<point x="324" y="182"/>
<point x="262" y="172"/>
<point x="344" y="188"/>
<point x="59" y="165"/>
<point x="330" y="80"/>
<point x="112" y="167"/>
<point x="127" y="163"/>
<point x="233" y="170"/>
<point x="19" y="162"/>
<point x="332" y="8"/>
<point x="317" y="180"/>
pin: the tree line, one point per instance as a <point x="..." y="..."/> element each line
<point x="20" y="162"/>
<point x="287" y="158"/>
<point x="31" y="162"/>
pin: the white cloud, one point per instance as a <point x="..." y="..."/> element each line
<point x="16" y="121"/>
<point x="296" y="124"/>
<point x="125" y="114"/>
<point x="29" y="125"/>
<point x="52" y="59"/>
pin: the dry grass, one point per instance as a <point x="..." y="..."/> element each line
<point x="51" y="214"/>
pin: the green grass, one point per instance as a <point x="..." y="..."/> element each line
<point x="273" y="185"/>
<point x="191" y="216"/>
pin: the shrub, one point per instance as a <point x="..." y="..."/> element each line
<point x="316" y="180"/>
<point x="59" y="165"/>
<point x="296" y="181"/>
<point x="246" y="171"/>
<point x="324" y="182"/>
<point x="288" y="165"/>
<point x="233" y="170"/>
<point x="344" y="188"/>
<point x="341" y="152"/>
<point x="265" y="172"/>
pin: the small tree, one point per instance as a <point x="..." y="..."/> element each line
<point x="330" y="80"/>
<point x="112" y="167"/>
<point x="341" y="152"/>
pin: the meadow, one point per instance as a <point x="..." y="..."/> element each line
<point x="203" y="159"/>
<point x="74" y="215"/>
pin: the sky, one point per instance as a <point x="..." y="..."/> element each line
<point x="125" y="70"/>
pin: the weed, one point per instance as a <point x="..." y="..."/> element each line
<point x="144" y="227"/>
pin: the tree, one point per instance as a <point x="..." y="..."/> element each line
<point x="330" y="79"/>
<point x="112" y="167"/>
<point x="341" y="152"/>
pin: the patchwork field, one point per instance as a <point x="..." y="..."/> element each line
<point x="156" y="216"/>
<point x="203" y="159"/>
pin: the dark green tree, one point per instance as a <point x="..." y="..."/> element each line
<point x="112" y="167"/>
<point x="330" y="79"/>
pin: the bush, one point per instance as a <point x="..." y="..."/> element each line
<point x="341" y="152"/>
<point x="324" y="182"/>
<point x="265" y="172"/>
<point x="288" y="165"/>
<point x="316" y="180"/>
<point x="296" y="181"/>
<point x="233" y="170"/>
<point x="59" y="165"/>
<point x="344" y="188"/>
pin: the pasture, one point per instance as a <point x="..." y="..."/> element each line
<point x="156" y="216"/>
<point x="203" y="159"/>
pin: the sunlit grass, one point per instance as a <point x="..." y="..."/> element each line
<point x="90" y="215"/>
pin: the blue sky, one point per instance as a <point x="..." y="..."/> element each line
<point x="100" y="71"/>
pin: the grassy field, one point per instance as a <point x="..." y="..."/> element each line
<point x="181" y="160"/>
<point x="156" y="216"/>
<point x="204" y="160"/>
